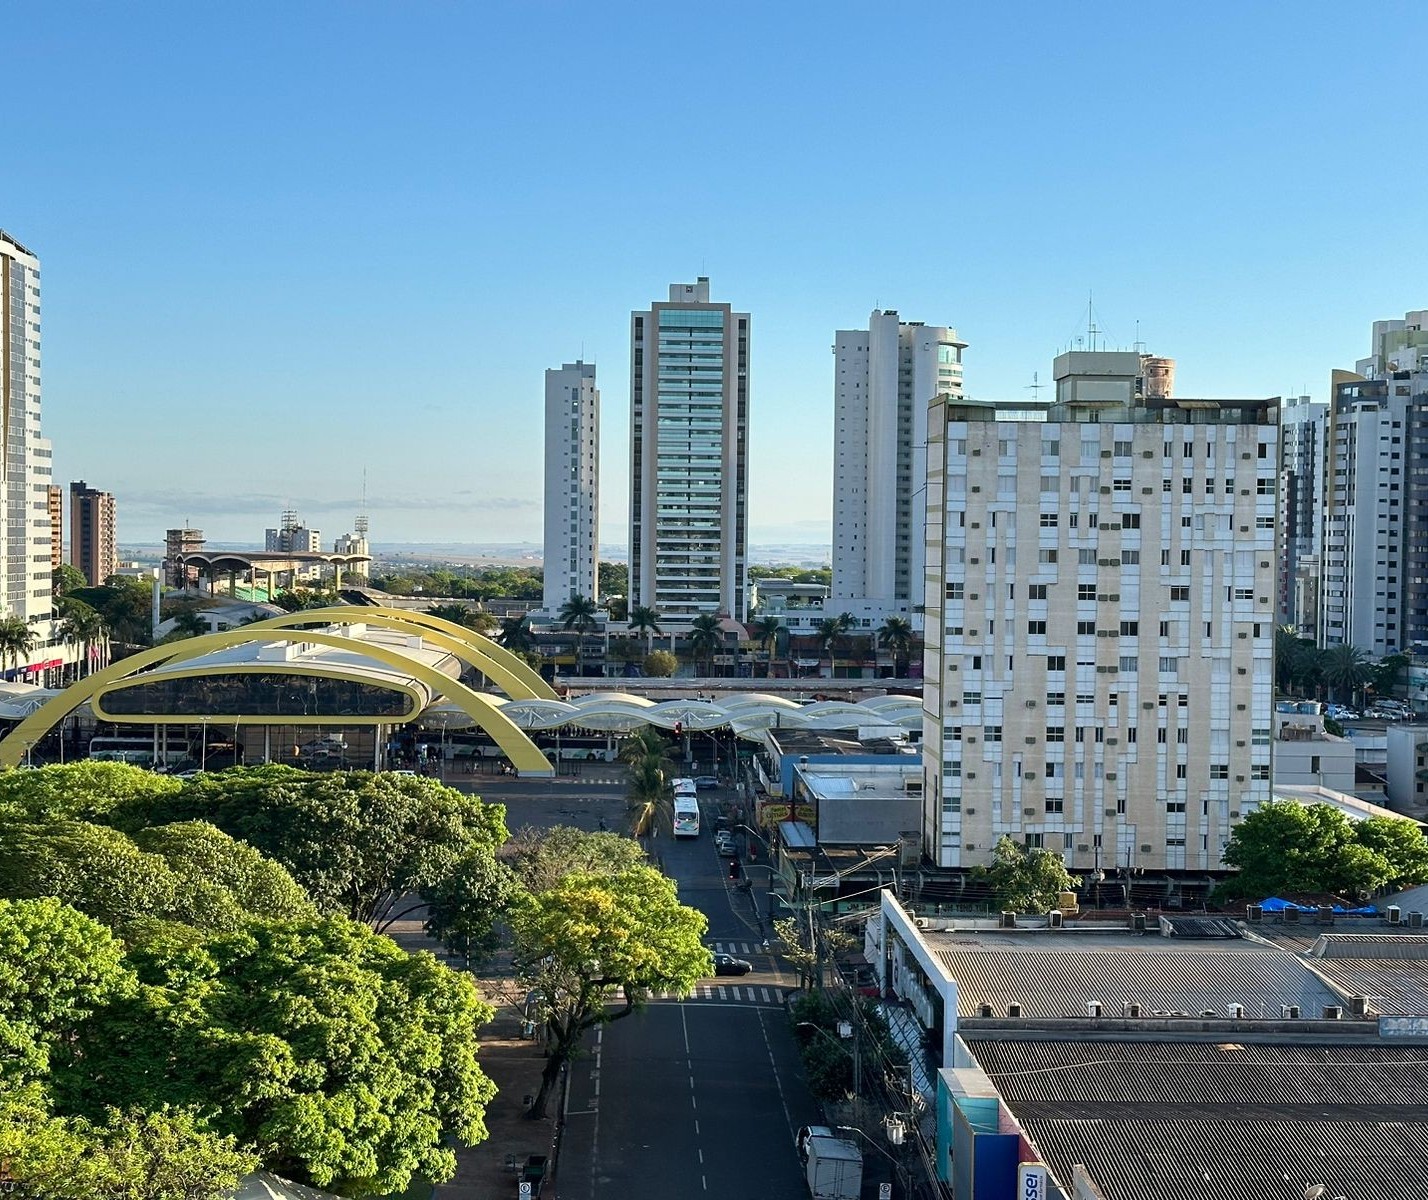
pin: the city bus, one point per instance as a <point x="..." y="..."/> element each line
<point x="143" y="751"/>
<point x="684" y="787"/>
<point x="686" y="817"/>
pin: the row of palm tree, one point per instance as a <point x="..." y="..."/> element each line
<point x="650" y="802"/>
<point x="1344" y="673"/>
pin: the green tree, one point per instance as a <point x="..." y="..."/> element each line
<point x="613" y="580"/>
<point x="89" y="790"/>
<point x="541" y="858"/>
<point x="579" y="614"/>
<point x="17" y="641"/>
<point x="645" y="622"/>
<point x="65" y="578"/>
<point x="1345" y="669"/>
<point x="660" y="664"/>
<point x="126" y="606"/>
<point x="189" y="622"/>
<point x="896" y="635"/>
<point x="592" y="935"/>
<point x="358" y="843"/>
<point x="828" y="631"/>
<point x="1026" y="878"/>
<point x="648" y="794"/>
<point x="1387" y="672"/>
<point x="1314" y="848"/>
<point x="81" y="625"/>
<point x="706" y="634"/>
<point x="516" y="635"/>
<point x="348" y="1061"/>
<point x="766" y="631"/>
<point x="466" y="616"/>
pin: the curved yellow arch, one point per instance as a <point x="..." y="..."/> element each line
<point x="484" y="711"/>
<point x="509" y="671"/>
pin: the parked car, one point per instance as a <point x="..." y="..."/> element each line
<point x="705" y="782"/>
<point x="1341" y="713"/>
<point x="726" y="846"/>
<point x="727" y="964"/>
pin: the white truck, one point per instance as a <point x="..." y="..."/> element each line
<point x="834" y="1169"/>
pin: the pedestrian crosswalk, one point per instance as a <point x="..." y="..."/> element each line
<point x="725" y="994"/>
<point x="737" y="949"/>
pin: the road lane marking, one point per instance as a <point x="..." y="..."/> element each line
<point x="778" y="1083"/>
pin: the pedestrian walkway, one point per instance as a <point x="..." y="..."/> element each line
<point x="717" y="993"/>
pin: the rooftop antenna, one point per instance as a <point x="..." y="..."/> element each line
<point x="1034" y="387"/>
<point x="1091" y="329"/>
<point x="359" y="526"/>
<point x="1139" y="346"/>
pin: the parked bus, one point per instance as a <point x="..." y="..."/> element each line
<point x="686" y="817"/>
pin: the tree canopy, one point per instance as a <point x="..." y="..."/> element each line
<point x="592" y="935"/>
<point x="1285" y="847"/>
<point x="1026" y="878"/>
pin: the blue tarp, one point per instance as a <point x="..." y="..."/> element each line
<point x="1275" y="905"/>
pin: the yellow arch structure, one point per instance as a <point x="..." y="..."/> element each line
<point x="508" y="671"/>
<point x="484" y="711"/>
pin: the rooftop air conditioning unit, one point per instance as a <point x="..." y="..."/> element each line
<point x="1013" y="1010"/>
<point x="1415" y="920"/>
<point x="1055" y="918"/>
<point x="1395" y="914"/>
<point x="1130" y="1010"/>
<point x="984" y="1010"/>
<point x="1333" y="1012"/>
<point x="1254" y="912"/>
<point x="1008" y="919"/>
<point x="922" y="923"/>
<point x="1235" y="1012"/>
<point x="1289" y="1012"/>
<point x="1291" y="916"/>
<point x="1358" y="1005"/>
<point x="1093" y="1008"/>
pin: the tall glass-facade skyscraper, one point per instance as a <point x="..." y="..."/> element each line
<point x="689" y="419"/>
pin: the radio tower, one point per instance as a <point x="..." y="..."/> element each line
<point x="360" y="526"/>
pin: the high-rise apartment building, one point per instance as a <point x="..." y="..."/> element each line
<point x="292" y="537"/>
<point x="25" y="535"/>
<point x="572" y="485"/>
<point x="54" y="503"/>
<point x="1100" y="622"/>
<point x="92" y="545"/>
<point x="1374" y="577"/>
<point x="689" y="420"/>
<point x="177" y="543"/>
<point x="884" y="379"/>
<point x="1302" y="427"/>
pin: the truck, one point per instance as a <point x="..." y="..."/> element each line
<point x="834" y="1169"/>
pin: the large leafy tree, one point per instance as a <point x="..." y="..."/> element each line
<point x="466" y="616"/>
<point x="516" y="636"/>
<point x="541" y="858"/>
<point x="1314" y="848"/>
<point x="660" y="664"/>
<point x="359" y="843"/>
<point x="1026" y="878"/>
<point x="348" y="1061"/>
<point x="594" y="938"/>
<point x="125" y="604"/>
<point x="88" y="790"/>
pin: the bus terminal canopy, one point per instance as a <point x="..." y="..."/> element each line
<point x="357" y="666"/>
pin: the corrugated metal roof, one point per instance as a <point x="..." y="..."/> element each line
<point x="1059" y="983"/>
<point x="1397" y="987"/>
<point x="1371" y="945"/>
<point x="1199" y="1121"/>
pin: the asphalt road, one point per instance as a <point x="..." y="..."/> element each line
<point x="693" y="1098"/>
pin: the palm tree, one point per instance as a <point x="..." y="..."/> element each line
<point x="766" y="630"/>
<point x="17" y="640"/>
<point x="896" y="635"/>
<point x="189" y="623"/>
<point x="705" y="635"/>
<point x="578" y="613"/>
<point x="79" y="625"/>
<point x="515" y="634"/>
<point x="647" y="754"/>
<point x="644" y="620"/>
<point x="458" y="614"/>
<point x="829" y="630"/>
<point x="1345" y="669"/>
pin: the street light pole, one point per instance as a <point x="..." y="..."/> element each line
<point x="897" y="1166"/>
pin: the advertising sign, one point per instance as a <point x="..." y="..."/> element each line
<point x="1031" y="1181"/>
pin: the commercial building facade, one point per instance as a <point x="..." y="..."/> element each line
<point x="689" y="420"/>
<point x="572" y="485"/>
<point x="1303" y="426"/>
<point x="1100" y="621"/>
<point x="92" y="545"/>
<point x="884" y="379"/>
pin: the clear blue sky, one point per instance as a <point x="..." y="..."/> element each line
<point x="283" y="242"/>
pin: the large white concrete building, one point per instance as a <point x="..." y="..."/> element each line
<point x="884" y="379"/>
<point x="1100" y="621"/>
<point x="689" y="420"/>
<point x="25" y="534"/>
<point x="572" y="485"/>
<point x="1374" y="579"/>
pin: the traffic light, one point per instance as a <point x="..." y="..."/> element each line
<point x="734" y="869"/>
<point x="678" y="728"/>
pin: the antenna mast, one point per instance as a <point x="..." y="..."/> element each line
<point x="360" y="525"/>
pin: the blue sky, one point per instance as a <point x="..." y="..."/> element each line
<point x="283" y="243"/>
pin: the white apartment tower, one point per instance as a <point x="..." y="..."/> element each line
<point x="1374" y="578"/>
<point x="1303" y="425"/>
<point x="689" y="420"/>
<point x="1100" y="622"/>
<point x="884" y="379"/>
<point x="25" y="535"/>
<point x="572" y="485"/>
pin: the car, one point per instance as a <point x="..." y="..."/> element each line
<point x="727" y="964"/>
<point x="726" y="846"/>
<point x="402" y="771"/>
<point x="1340" y="713"/>
<point x="806" y="1135"/>
<point x="705" y="782"/>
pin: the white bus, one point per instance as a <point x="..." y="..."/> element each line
<point x="140" y="751"/>
<point x="684" y="787"/>
<point x="686" y="817"/>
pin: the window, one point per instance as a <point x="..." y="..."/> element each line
<point x="1120" y="485"/>
<point x="1129" y="662"/>
<point x="1085" y="698"/>
<point x="1182" y="737"/>
<point x="1085" y="591"/>
<point x="1050" y="449"/>
<point x="1056" y="733"/>
<point x="1055" y="699"/>
<point x="1050" y="484"/>
<point x="971" y="697"/>
<point x="1130" y="520"/>
<point x="1130" y="558"/>
<point x="1130" y="629"/>
<point x="1219" y="770"/>
<point x="1160" y="735"/>
<point x="1054" y="806"/>
<point x="992" y="733"/>
<point x="1048" y="520"/>
<point x="1046" y="556"/>
<point x="1180" y="595"/>
<point x="1037" y="591"/>
<point x="1079" y="736"/>
<point x="1036" y="629"/>
<point x="1169" y="666"/>
<point x="1180" y="770"/>
<point x="1259" y="771"/>
<point x="1130" y="736"/>
<point x="1086" y="558"/>
<point x="1187" y="485"/>
<point x="952" y="770"/>
<point x="1086" y="628"/>
<point x="954" y="591"/>
<point x="1175" y="806"/>
<point x="1165" y="629"/>
<point x="1264" y="522"/>
<point x="1264" y="487"/>
<point x="1184" y="558"/>
<point x="1123" y="449"/>
<point x="1244" y="593"/>
<point x="1055" y="662"/>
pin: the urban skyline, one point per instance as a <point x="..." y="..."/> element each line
<point x="207" y="209"/>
